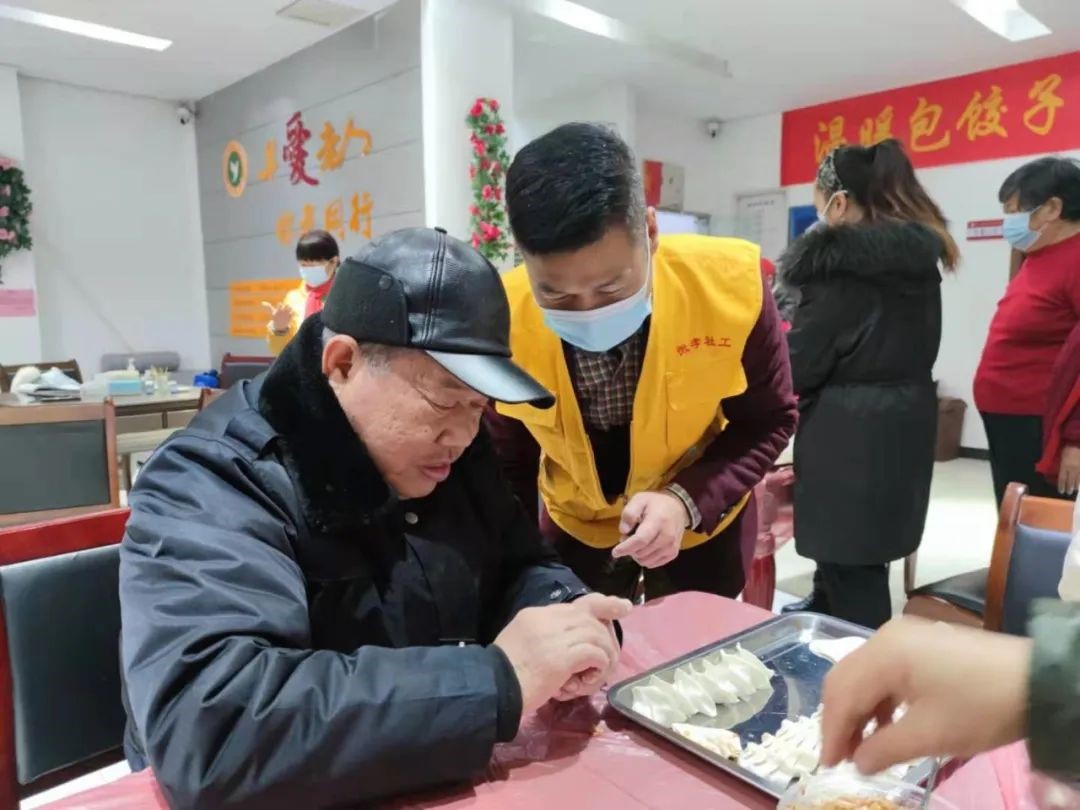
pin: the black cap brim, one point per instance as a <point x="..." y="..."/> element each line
<point x="495" y="377"/>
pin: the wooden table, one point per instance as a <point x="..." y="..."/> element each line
<point x="140" y="412"/>
<point x="582" y="755"/>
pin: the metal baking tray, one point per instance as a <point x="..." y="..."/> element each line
<point x="783" y="644"/>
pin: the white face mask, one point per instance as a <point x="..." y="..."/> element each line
<point x="315" y="275"/>
<point x="823" y="220"/>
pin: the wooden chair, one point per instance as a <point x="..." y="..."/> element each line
<point x="236" y="367"/>
<point x="1032" y="537"/>
<point x="69" y="367"/>
<point x="58" y="460"/>
<point x="61" y="715"/>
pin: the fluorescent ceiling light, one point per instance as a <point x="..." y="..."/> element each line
<point x="83" y="29"/>
<point x="1005" y="18"/>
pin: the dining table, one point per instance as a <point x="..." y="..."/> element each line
<point x="583" y="754"/>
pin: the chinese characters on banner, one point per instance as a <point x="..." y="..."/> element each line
<point x="247" y="316"/>
<point x="1016" y="110"/>
<point x="334" y="146"/>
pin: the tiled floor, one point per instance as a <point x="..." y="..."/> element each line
<point x="959" y="536"/>
<point x="959" y="533"/>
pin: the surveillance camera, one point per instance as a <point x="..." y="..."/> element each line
<point x="712" y="127"/>
<point x="184" y="114"/>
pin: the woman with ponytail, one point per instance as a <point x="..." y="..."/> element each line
<point x="864" y="340"/>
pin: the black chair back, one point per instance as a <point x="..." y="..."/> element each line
<point x="1034" y="573"/>
<point x="62" y="619"/>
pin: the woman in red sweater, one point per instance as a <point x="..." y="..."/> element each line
<point x="1027" y="387"/>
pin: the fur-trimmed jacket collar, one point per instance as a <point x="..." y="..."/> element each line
<point x="888" y="253"/>
<point x="338" y="481"/>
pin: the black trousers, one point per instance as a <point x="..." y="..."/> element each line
<point x="855" y="593"/>
<point x="715" y="566"/>
<point x="1016" y="445"/>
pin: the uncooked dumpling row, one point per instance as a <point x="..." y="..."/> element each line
<point x="700" y="686"/>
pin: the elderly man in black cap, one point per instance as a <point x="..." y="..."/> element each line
<point x="329" y="594"/>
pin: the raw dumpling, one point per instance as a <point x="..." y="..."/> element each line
<point x="688" y="686"/>
<point x="793" y="752"/>
<point x="657" y="705"/>
<point x="718" y="740"/>
<point x="711" y="677"/>
<point x="755" y="663"/>
<point x="746" y="680"/>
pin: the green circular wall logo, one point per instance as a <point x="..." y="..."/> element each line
<point x="234" y="168"/>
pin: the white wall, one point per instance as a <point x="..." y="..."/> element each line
<point x="612" y="104"/>
<point x="20" y="338"/>
<point x="117" y="239"/>
<point x="745" y="157"/>
<point x="467" y="52"/>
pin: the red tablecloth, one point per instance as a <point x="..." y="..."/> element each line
<point x="582" y="755"/>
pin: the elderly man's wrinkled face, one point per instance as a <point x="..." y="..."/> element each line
<point x="413" y="416"/>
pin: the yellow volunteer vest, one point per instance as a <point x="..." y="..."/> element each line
<point x="706" y="298"/>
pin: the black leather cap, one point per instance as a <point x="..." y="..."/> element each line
<point x="420" y="288"/>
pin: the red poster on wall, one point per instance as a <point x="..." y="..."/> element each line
<point x="1021" y="109"/>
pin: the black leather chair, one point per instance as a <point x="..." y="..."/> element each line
<point x="61" y="714"/>
<point x="1032" y="538"/>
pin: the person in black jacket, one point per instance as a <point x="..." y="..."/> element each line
<point x="329" y="595"/>
<point x="863" y="342"/>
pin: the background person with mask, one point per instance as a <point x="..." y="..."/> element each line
<point x="1026" y="387"/>
<point x="318" y="257"/>
<point x="863" y="342"/>
<point x="667" y="360"/>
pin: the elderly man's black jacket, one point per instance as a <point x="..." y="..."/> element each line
<point x="292" y="633"/>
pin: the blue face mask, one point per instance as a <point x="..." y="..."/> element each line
<point x="598" y="330"/>
<point x="1017" y="230"/>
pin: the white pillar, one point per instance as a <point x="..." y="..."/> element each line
<point x="20" y="338"/>
<point x="466" y="51"/>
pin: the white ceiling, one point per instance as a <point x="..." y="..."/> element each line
<point x="782" y="54"/>
<point x="215" y="43"/>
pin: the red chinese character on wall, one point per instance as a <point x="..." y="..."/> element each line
<point x="709" y="340"/>
<point x="683" y="349"/>
<point x="294" y="153"/>
<point x="695" y="343"/>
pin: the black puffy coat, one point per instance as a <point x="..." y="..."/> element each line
<point x="864" y="340"/>
<point x="296" y="637"/>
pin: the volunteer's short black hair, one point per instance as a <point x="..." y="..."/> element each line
<point x="317" y="246"/>
<point x="566" y="189"/>
<point x="1047" y="177"/>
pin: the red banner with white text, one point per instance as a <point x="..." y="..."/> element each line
<point x="1021" y="109"/>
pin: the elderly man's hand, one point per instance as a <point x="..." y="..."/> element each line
<point x="549" y="646"/>
<point x="965" y="691"/>
<point x="591" y="681"/>
<point x="1069" y="474"/>
<point x="653" y="524"/>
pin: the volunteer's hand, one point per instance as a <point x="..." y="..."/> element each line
<point x="966" y="692"/>
<point x="660" y="519"/>
<point x="591" y="681"/>
<point x="548" y="646"/>
<point x="1069" y="476"/>
<point x="281" y="316"/>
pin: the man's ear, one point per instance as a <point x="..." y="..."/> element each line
<point x="340" y="359"/>
<point x="1051" y="209"/>
<point x="652" y="229"/>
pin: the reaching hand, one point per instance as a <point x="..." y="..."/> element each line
<point x="281" y="316"/>
<point x="1069" y="474"/>
<point x="550" y="646"/>
<point x="965" y="690"/>
<point x="652" y="525"/>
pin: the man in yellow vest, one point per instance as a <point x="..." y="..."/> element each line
<point x="669" y="367"/>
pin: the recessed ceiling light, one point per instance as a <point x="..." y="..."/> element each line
<point x="1005" y="18"/>
<point x="83" y="29"/>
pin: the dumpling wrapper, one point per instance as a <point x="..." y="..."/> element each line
<point x="718" y="740"/>
<point x="711" y="676"/>
<point x="674" y="696"/>
<point x="836" y="649"/>
<point x="754" y="663"/>
<point x="746" y="680"/>
<point x="656" y="704"/>
<point x="686" y="684"/>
